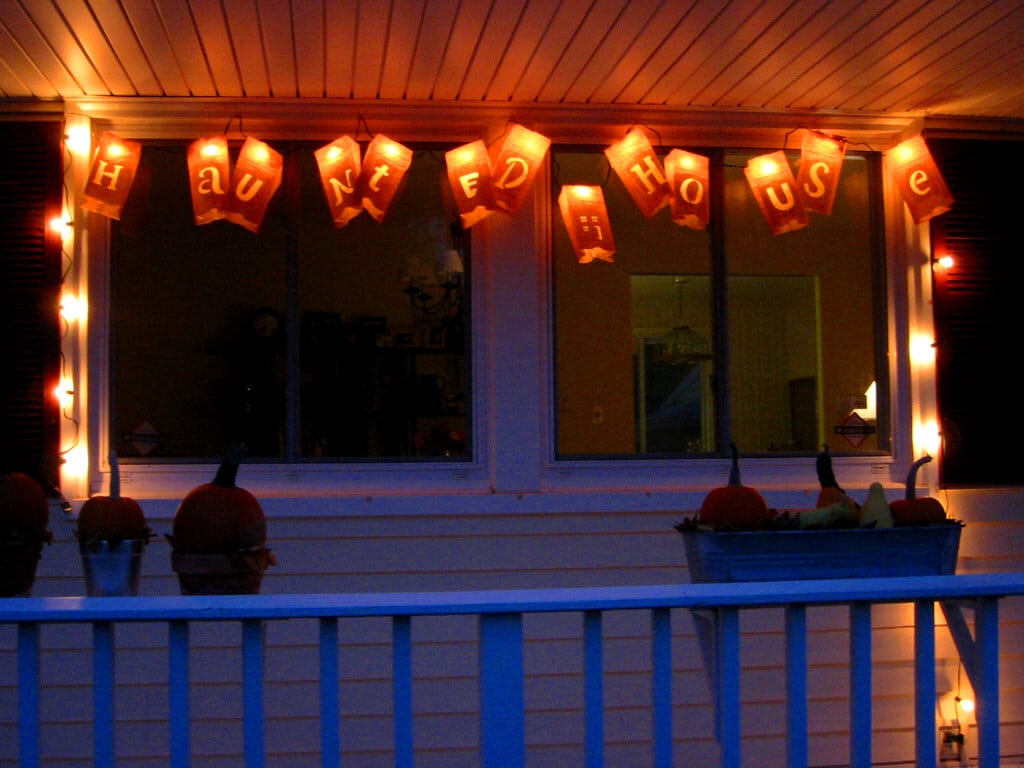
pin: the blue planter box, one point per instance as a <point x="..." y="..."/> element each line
<point x="840" y="553"/>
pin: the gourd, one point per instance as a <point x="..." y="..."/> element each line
<point x="830" y="492"/>
<point x="112" y="518"/>
<point x="219" y="517"/>
<point x="24" y="509"/>
<point x="911" y="510"/>
<point x="735" y="505"/>
<point x="876" y="511"/>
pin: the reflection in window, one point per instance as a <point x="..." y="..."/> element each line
<point x="307" y="341"/>
<point x="799" y="318"/>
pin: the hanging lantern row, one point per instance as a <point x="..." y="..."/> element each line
<point x="484" y="182"/>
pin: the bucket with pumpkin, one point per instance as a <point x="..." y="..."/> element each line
<point x="24" y="528"/>
<point x="218" y="539"/>
<point x="112" y="536"/>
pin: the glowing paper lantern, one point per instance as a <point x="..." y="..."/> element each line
<point x="469" y="173"/>
<point x="384" y="168"/>
<point x="689" y="182"/>
<point x="339" y="166"/>
<point x="209" y="173"/>
<point x="821" y="160"/>
<point x="586" y="219"/>
<point x="111" y="175"/>
<point x="254" y="181"/>
<point x="771" y="180"/>
<point x="514" y="166"/>
<point x="918" y="178"/>
<point x="634" y="161"/>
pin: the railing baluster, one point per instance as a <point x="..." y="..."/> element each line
<point x="986" y="628"/>
<point x="28" y="694"/>
<point x="729" y="685"/>
<point x="401" y="650"/>
<point x="178" y="689"/>
<point x="593" y="696"/>
<point x="924" y="682"/>
<point x="252" y="691"/>
<point x="502" y="716"/>
<point x="330" y="737"/>
<point x="796" y="685"/>
<point x="661" y="717"/>
<point x="860" y="685"/>
<point x="103" y="693"/>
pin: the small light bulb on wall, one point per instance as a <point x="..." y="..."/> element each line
<point x="72" y="308"/>
<point x="78" y="137"/>
<point x="65" y="393"/>
<point x="945" y="261"/>
<point x="76" y="465"/>
<point x="922" y="349"/>
<point x="927" y="438"/>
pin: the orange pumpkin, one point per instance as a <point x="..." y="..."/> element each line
<point x="911" y="510"/>
<point x="219" y="517"/>
<point x="112" y="518"/>
<point x="735" y="505"/>
<point x="24" y="509"/>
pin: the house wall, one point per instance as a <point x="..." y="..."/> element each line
<point x="512" y="518"/>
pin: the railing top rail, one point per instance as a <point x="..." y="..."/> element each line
<point x="289" y="606"/>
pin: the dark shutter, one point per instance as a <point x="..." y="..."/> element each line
<point x="978" y="311"/>
<point x="30" y="277"/>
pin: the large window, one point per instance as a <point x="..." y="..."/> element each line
<point x="306" y="341"/>
<point x="691" y="340"/>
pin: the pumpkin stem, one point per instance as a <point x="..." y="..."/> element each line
<point x="912" y="476"/>
<point x="734" y="470"/>
<point x="826" y="477"/>
<point x="115" y="477"/>
<point x="227" y="472"/>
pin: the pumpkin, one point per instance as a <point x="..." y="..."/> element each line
<point x="219" y="517"/>
<point x="112" y="518"/>
<point x="24" y="509"/>
<point x="830" y="492"/>
<point x="735" y="505"/>
<point x="911" y="510"/>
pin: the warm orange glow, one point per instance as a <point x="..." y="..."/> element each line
<point x="821" y="161"/>
<point x="774" y="188"/>
<point x="71" y="307"/>
<point x="922" y="349"/>
<point x="65" y="393"/>
<point x="945" y="261"/>
<point x="689" y="183"/>
<point x="339" y="165"/>
<point x="469" y="174"/>
<point x="919" y="180"/>
<point x="111" y="175"/>
<point x="383" y="171"/>
<point x="77" y="137"/>
<point x="209" y="171"/>
<point x="635" y="163"/>
<point x="586" y="219"/>
<point x="255" y="179"/>
<point x="514" y="166"/>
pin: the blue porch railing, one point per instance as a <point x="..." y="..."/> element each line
<point x="502" y="719"/>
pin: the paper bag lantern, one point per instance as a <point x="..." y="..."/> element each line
<point x="380" y="179"/>
<point x="635" y="163"/>
<point x="821" y="160"/>
<point x="689" y="182"/>
<point x="209" y="173"/>
<point x="771" y="180"/>
<point x="254" y="181"/>
<point x="586" y="219"/>
<point x="918" y="178"/>
<point x="111" y="175"/>
<point x="514" y="166"/>
<point x="469" y="173"/>
<point x="339" y="167"/>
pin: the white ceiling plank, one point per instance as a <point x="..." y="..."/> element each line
<point x="372" y="24"/>
<point x="308" y="28"/>
<point x="535" y="19"/>
<point x="551" y="48"/>
<point x="340" y="50"/>
<point x="44" y="34"/>
<point x="495" y="39"/>
<point x="279" y="43"/>
<point x="115" y="25"/>
<point x="148" y="26"/>
<point x="243" y="20"/>
<point x="181" y="34"/>
<point x="218" y="47"/>
<point x="403" y="38"/>
<point x="22" y="79"/>
<point x="438" y="17"/>
<point x="459" y="55"/>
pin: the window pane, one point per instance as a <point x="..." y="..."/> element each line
<point x="637" y="371"/>
<point x="306" y="341"/>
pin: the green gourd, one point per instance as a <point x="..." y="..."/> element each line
<point x="876" y="512"/>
